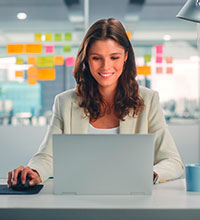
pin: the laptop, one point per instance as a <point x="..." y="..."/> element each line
<point x="103" y="164"/>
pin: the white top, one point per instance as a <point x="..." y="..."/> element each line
<point x="93" y="130"/>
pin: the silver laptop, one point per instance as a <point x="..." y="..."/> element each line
<point x="88" y="164"/>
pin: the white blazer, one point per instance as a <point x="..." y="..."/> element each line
<point x="69" y="118"/>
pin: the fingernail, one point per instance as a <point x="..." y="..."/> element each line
<point x="31" y="183"/>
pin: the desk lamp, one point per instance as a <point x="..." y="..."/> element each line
<point x="190" y="11"/>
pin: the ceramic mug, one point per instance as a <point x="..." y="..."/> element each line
<point x="192" y="177"/>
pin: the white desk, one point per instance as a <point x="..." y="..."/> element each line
<point x="168" y="201"/>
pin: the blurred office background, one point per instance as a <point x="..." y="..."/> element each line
<point x="39" y="41"/>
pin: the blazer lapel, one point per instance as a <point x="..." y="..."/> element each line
<point x="128" y="126"/>
<point x="79" y="121"/>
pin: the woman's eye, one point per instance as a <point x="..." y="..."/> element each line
<point x="114" y="58"/>
<point x="95" y="58"/>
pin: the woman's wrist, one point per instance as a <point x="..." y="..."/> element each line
<point x="155" y="177"/>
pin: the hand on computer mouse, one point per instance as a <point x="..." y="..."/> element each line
<point x="19" y="186"/>
<point x="33" y="175"/>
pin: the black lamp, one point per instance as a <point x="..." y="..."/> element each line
<point x="190" y="11"/>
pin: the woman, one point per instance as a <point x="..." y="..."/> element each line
<point x="107" y="99"/>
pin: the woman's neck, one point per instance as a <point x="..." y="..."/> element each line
<point x="107" y="95"/>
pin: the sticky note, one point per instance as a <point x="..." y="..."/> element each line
<point x="33" y="48"/>
<point x="68" y="36"/>
<point x="144" y="70"/>
<point x="169" y="59"/>
<point x="32" y="80"/>
<point x="19" y="73"/>
<point x="69" y="61"/>
<point x="38" y="36"/>
<point x="67" y="48"/>
<point x="46" y="74"/>
<point x="48" y="37"/>
<point x="58" y="60"/>
<point x="19" y="61"/>
<point x="147" y="58"/>
<point x="32" y="60"/>
<point x="169" y="70"/>
<point x="45" y="61"/>
<point x="15" y="48"/>
<point x="159" y="49"/>
<point x="159" y="69"/>
<point x="58" y="37"/>
<point x="159" y="59"/>
<point x="129" y="35"/>
<point x="49" y="49"/>
<point x="32" y="72"/>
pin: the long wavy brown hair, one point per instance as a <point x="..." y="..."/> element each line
<point x="127" y="100"/>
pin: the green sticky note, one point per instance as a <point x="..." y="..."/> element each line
<point x="147" y="58"/>
<point x="67" y="48"/>
<point x="45" y="62"/>
<point x="68" y="36"/>
<point x="58" y="37"/>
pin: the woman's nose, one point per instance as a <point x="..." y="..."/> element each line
<point x="106" y="64"/>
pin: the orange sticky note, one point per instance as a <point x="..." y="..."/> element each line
<point x="32" y="60"/>
<point x="19" y="73"/>
<point x="32" y="80"/>
<point x="129" y="35"/>
<point x="32" y="71"/>
<point x="144" y="70"/>
<point x="58" y="60"/>
<point x="46" y="74"/>
<point x="15" y="48"/>
<point x="159" y="69"/>
<point x="169" y="59"/>
<point x="33" y="48"/>
<point x="169" y="70"/>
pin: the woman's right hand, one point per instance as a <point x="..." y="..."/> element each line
<point x="33" y="174"/>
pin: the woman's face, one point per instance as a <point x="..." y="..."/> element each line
<point x="106" y="60"/>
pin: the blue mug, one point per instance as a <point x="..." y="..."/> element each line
<point x="192" y="177"/>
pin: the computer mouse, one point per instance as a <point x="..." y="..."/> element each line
<point x="19" y="186"/>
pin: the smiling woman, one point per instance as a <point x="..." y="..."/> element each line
<point x="106" y="100"/>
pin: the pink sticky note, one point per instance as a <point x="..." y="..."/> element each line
<point x="69" y="61"/>
<point x="49" y="49"/>
<point x="158" y="59"/>
<point x="159" y="49"/>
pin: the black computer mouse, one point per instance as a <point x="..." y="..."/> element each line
<point x="19" y="186"/>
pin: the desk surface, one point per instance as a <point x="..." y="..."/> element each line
<point x="169" y="195"/>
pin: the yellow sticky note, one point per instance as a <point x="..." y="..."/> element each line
<point x="19" y="73"/>
<point x="38" y="36"/>
<point x="33" y="48"/>
<point x="48" y="37"/>
<point x="15" y="48"/>
<point x="32" y="60"/>
<point x="59" y="60"/>
<point x="46" y="74"/>
<point x="144" y="70"/>
<point x="45" y="61"/>
<point x="19" y="61"/>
